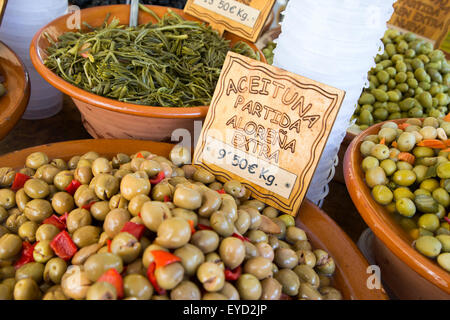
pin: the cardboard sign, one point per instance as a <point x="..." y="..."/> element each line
<point x="427" y="18"/>
<point x="245" y="18"/>
<point x="267" y="128"/>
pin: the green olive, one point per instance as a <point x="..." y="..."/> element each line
<point x="126" y="246"/>
<point x="444" y="260"/>
<point x="10" y="246"/>
<point x="54" y="270"/>
<point x="26" y="289"/>
<point x="382" y="194"/>
<point x="42" y="251"/>
<point x="376" y="176"/>
<point x="136" y="285"/>
<point x="405" y="207"/>
<point x="404" y="178"/>
<point x="36" y="160"/>
<point x="101" y="291"/>
<point x="97" y="264"/>
<point x="249" y="287"/>
<point x="428" y="246"/>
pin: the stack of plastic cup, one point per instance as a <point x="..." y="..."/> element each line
<point x="332" y="42"/>
<point x="21" y="21"/>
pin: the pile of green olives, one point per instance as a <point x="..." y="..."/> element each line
<point x="409" y="174"/>
<point x="220" y="243"/>
<point x="268" y="51"/>
<point x="410" y="80"/>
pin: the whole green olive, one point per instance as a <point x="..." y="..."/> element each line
<point x="42" y="251"/>
<point x="136" y="285"/>
<point x="62" y="202"/>
<point x="126" y="246"/>
<point x="101" y="291"/>
<point x="97" y="264"/>
<point x="153" y="213"/>
<point x="46" y="232"/>
<point x="169" y="276"/>
<point x="26" y="289"/>
<point x="114" y="221"/>
<point x="54" y="270"/>
<point x="36" y="160"/>
<point x="191" y="257"/>
<point x="232" y="251"/>
<point x="133" y="184"/>
<point x="211" y="276"/>
<point x="10" y="246"/>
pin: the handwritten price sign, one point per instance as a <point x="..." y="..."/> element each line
<point x="267" y="128"/>
<point x="245" y="18"/>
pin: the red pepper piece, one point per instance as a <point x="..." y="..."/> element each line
<point x="63" y="218"/>
<point x="163" y="258"/>
<point x="191" y="223"/>
<point x="240" y="237"/>
<point x="26" y="255"/>
<point x="113" y="276"/>
<point x="233" y="275"/>
<point x="73" y="186"/>
<point x="135" y="229"/>
<point x="221" y="191"/>
<point x="139" y="155"/>
<point x="56" y="221"/>
<point x="19" y="181"/>
<point x="151" y="277"/>
<point x="139" y="215"/>
<point x="159" y="177"/>
<point x="447" y="219"/>
<point x="63" y="245"/>
<point x="108" y="243"/>
<point x="203" y="227"/>
<point x="89" y="205"/>
<point x="167" y="199"/>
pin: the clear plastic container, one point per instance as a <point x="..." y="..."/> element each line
<point x="338" y="66"/>
<point x="22" y="19"/>
<point x="363" y="16"/>
<point x="332" y="32"/>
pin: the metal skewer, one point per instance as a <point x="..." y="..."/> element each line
<point x="134" y="11"/>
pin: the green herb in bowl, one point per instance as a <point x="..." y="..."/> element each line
<point x="171" y="63"/>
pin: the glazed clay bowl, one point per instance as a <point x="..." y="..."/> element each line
<point x="109" y="118"/>
<point x="399" y="256"/>
<point x="350" y="277"/>
<point x="17" y="83"/>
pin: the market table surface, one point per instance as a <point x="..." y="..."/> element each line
<point x="67" y="125"/>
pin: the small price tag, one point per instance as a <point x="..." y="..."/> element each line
<point x="267" y="128"/>
<point x="245" y="18"/>
<point x="429" y="19"/>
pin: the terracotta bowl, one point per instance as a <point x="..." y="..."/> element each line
<point x="109" y="118"/>
<point x="400" y="258"/>
<point x="350" y="277"/>
<point x="17" y="83"/>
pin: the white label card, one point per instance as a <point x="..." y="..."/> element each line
<point x="231" y="9"/>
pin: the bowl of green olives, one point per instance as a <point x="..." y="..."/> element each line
<point x="397" y="175"/>
<point x="410" y="80"/>
<point x="125" y="219"/>
<point x="14" y="89"/>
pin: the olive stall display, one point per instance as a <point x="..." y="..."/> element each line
<point x="146" y="227"/>
<point x="410" y="80"/>
<point x="407" y="166"/>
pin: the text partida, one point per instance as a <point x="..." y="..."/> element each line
<point x="250" y="135"/>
